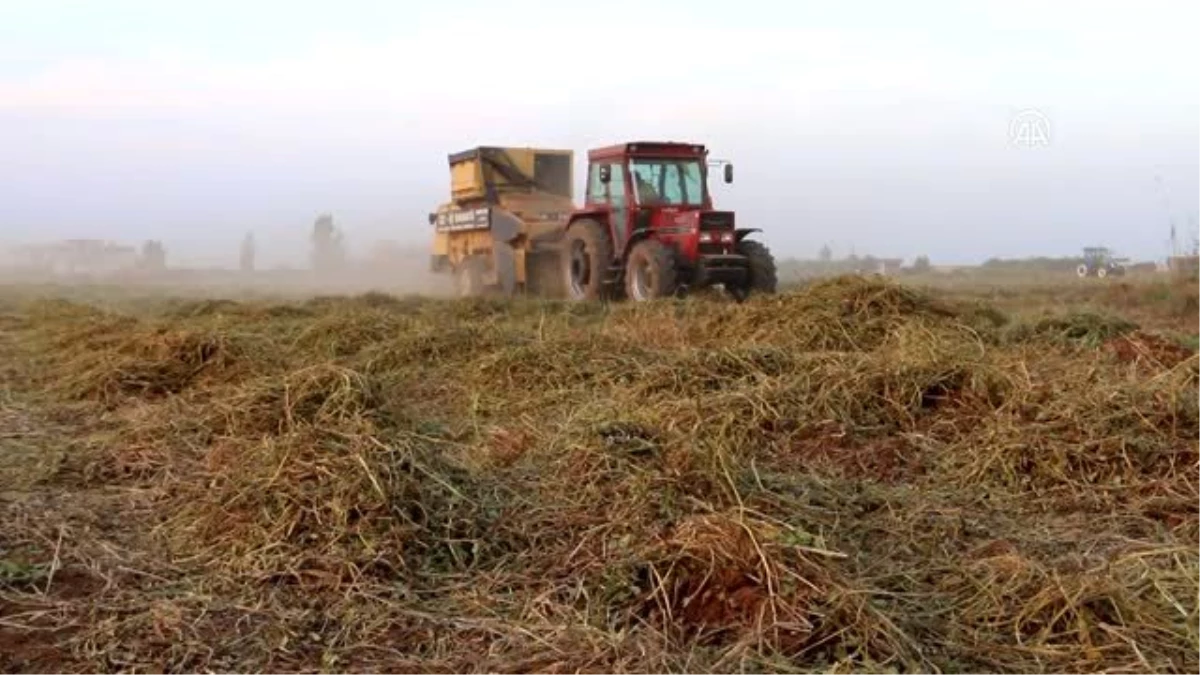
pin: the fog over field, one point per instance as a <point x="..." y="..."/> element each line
<point x="896" y="130"/>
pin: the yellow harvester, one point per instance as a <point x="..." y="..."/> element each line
<point x="507" y="209"/>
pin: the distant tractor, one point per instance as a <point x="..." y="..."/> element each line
<point x="648" y="229"/>
<point x="1099" y="262"/>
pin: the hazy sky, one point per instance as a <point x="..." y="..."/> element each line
<point x="883" y="126"/>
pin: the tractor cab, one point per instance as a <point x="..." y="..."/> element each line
<point x="651" y="184"/>
<point x="660" y="189"/>
<point x="670" y="175"/>
<point x="651" y="203"/>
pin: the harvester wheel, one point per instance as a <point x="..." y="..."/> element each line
<point x="650" y="271"/>
<point x="587" y="253"/>
<point x="543" y="273"/>
<point x="468" y="278"/>
<point x="762" y="277"/>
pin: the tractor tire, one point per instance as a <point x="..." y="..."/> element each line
<point x="651" y="271"/>
<point x="762" y="277"/>
<point x="1102" y="272"/>
<point x="468" y="277"/>
<point x="1081" y="271"/>
<point x="586" y="256"/>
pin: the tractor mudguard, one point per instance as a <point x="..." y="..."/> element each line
<point x="741" y="232"/>
<point x="599" y="215"/>
<point x="634" y="238"/>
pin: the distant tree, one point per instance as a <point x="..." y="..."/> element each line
<point x="921" y="264"/>
<point x="154" y="255"/>
<point x="247" y="254"/>
<point x="826" y="254"/>
<point x="328" y="246"/>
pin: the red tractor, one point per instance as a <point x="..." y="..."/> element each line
<point x="648" y="229"/>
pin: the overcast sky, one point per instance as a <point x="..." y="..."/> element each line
<point x="885" y="127"/>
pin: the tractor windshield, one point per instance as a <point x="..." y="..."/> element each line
<point x="668" y="182"/>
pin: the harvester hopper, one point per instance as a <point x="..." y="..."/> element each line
<point x="507" y="207"/>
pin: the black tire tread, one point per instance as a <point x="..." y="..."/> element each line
<point x="763" y="277"/>
<point x="596" y="241"/>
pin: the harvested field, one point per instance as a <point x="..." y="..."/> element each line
<point x="851" y="476"/>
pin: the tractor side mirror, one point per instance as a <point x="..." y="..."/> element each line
<point x="432" y="218"/>
<point x="728" y="173"/>
<point x="605" y="173"/>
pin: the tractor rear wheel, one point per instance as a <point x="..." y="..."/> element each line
<point x="760" y="275"/>
<point x="1102" y="272"/>
<point x="1081" y="271"/>
<point x="651" y="271"/>
<point x="587" y="253"/>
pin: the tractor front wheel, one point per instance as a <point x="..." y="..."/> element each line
<point x="1081" y="271"/>
<point x="586" y="255"/>
<point x="651" y="271"/>
<point x="760" y="274"/>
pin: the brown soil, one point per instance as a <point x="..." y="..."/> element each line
<point x="1149" y="349"/>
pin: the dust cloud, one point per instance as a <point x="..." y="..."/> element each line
<point x="328" y="267"/>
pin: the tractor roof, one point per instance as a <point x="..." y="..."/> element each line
<point x="668" y="148"/>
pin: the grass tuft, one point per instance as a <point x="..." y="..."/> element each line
<point x="853" y="475"/>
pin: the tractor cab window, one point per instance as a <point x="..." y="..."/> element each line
<point x="597" y="191"/>
<point x="670" y="182"/>
<point x="616" y="186"/>
<point x="612" y="193"/>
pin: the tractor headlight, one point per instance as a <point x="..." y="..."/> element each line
<point x="726" y="237"/>
<point x="706" y="237"/>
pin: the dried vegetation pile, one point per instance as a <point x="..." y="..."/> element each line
<point x="848" y="476"/>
